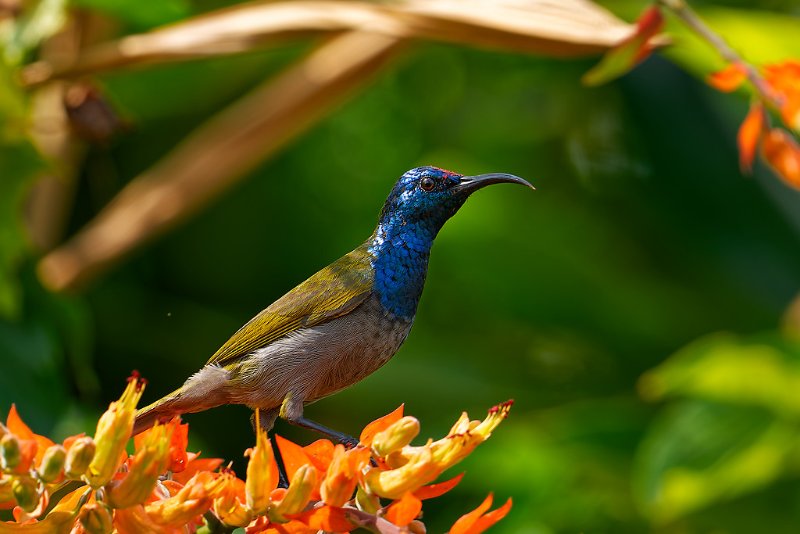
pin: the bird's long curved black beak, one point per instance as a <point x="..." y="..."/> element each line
<point x="470" y="184"/>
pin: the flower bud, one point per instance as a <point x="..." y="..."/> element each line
<point x="79" y="457"/>
<point x="96" y="518"/>
<point x="297" y="495"/>
<point x="262" y="475"/>
<point x="147" y="464"/>
<point x="396" y="436"/>
<point x="113" y="431"/>
<point x="9" y="451"/>
<point x="52" y="463"/>
<point x="229" y="506"/>
<point x="393" y="484"/>
<point x="26" y="493"/>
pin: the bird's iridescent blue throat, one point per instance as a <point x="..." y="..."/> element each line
<point x="422" y="200"/>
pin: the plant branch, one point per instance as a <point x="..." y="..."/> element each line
<point x="688" y="16"/>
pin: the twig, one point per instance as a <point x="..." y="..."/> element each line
<point x="684" y="12"/>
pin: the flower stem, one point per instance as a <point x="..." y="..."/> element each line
<point x="688" y="16"/>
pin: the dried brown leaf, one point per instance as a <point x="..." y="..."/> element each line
<point x="558" y="28"/>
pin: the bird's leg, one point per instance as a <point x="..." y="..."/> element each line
<point x="339" y="437"/>
<point x="266" y="419"/>
<point x="292" y="411"/>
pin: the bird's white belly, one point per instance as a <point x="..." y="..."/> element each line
<point x="310" y="363"/>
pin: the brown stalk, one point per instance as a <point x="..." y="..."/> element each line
<point x="218" y="154"/>
<point x="562" y="28"/>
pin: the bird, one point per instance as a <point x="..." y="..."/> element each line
<point x="341" y="324"/>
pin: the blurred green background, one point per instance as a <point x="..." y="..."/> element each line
<point x="634" y="306"/>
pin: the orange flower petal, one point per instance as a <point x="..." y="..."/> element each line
<point x="728" y="79"/>
<point x="782" y="152"/>
<point x="294" y="457"/>
<point x="320" y="453"/>
<point x="16" y="426"/>
<point x="436" y="490"/>
<point x="630" y="52"/>
<point x="403" y="511"/>
<point x="491" y="518"/>
<point x="749" y="135"/>
<point x="468" y="520"/>
<point x="382" y="423"/>
<point x="327" y="518"/>
<point x="194" y="466"/>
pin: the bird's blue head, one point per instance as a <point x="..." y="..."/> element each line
<point x="428" y="196"/>
<point x="420" y="203"/>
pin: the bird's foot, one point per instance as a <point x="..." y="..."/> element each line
<point x="339" y="437"/>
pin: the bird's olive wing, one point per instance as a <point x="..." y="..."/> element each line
<point x="334" y="291"/>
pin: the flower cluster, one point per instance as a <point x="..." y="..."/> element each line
<point x="93" y="485"/>
<point x="776" y="87"/>
<point x="780" y="90"/>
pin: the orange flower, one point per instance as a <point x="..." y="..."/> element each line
<point x="297" y="495"/>
<point x="404" y="510"/>
<point x="396" y="436"/>
<point x="478" y="520"/>
<point x="192" y="501"/>
<point x="782" y="153"/>
<point x="418" y="469"/>
<point x="262" y="473"/>
<point x="784" y="79"/>
<point x="749" y="135"/>
<point x="151" y="459"/>
<point x="230" y="505"/>
<point x="382" y="423"/>
<point x="343" y="474"/>
<point x="728" y="79"/>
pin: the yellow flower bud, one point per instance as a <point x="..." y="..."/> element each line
<point x="262" y="474"/>
<point x="52" y="463"/>
<point x="26" y="492"/>
<point x="393" y="484"/>
<point x="146" y="466"/>
<point x="396" y="436"/>
<point x="297" y="495"/>
<point x="79" y="457"/>
<point x="113" y="431"/>
<point x="10" y="455"/>
<point x="229" y="506"/>
<point x="96" y="518"/>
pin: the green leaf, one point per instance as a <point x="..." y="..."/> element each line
<point x="141" y="15"/>
<point x="37" y="22"/>
<point x="699" y="453"/>
<point x="761" y="371"/>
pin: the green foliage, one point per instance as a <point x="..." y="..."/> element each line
<point x="20" y="165"/>
<point x="735" y="430"/>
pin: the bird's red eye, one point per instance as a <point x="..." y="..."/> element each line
<point x="427" y="183"/>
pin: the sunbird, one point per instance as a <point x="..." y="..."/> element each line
<point x="340" y="325"/>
